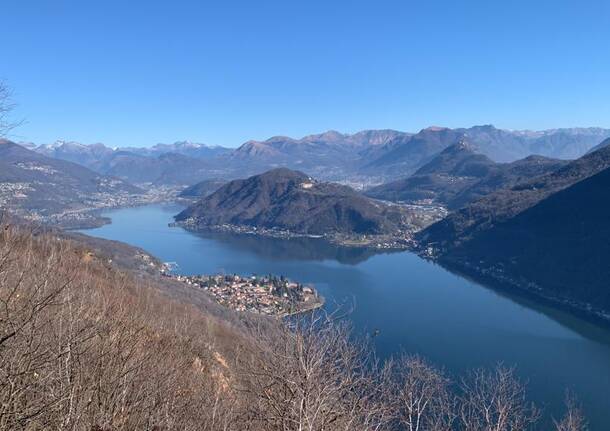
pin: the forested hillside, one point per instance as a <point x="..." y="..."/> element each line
<point x="548" y="235"/>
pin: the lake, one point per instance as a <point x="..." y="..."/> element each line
<point x="415" y="305"/>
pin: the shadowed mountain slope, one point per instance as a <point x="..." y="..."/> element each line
<point x="549" y="235"/>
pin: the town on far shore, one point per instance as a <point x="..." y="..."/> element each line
<point x="268" y="295"/>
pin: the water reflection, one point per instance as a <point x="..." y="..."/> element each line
<point x="302" y="248"/>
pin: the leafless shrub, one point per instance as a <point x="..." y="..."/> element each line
<point x="311" y="377"/>
<point x="420" y="395"/>
<point x="85" y="347"/>
<point x="574" y="419"/>
<point x="495" y="401"/>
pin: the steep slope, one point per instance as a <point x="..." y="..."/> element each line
<point x="116" y="331"/>
<point x="450" y="172"/>
<point x="37" y="184"/>
<point x="403" y="155"/>
<point x="559" y="247"/>
<point x="506" y="175"/>
<point x="504" y="204"/>
<point x="293" y="201"/>
<point x="549" y="235"/>
<point x="459" y="175"/>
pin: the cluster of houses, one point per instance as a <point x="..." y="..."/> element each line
<point x="269" y="295"/>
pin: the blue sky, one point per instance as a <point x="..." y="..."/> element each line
<point x="223" y="72"/>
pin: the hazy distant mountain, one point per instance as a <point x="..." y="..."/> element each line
<point x="202" y="189"/>
<point x="185" y="148"/>
<point x="568" y="143"/>
<point x="95" y="153"/>
<point x="292" y="200"/>
<point x="601" y="145"/>
<point x="362" y="158"/>
<point x="403" y="156"/>
<point x="506" y="146"/>
<point x="179" y="163"/>
<point x="458" y="175"/>
<point x="167" y="169"/>
<point x="86" y="155"/>
<point x="31" y="181"/>
<point x="319" y="145"/>
<point x="389" y="154"/>
<point x="329" y="155"/>
<point x="389" y="149"/>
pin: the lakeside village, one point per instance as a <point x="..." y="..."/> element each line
<point x="396" y="241"/>
<point x="268" y="295"/>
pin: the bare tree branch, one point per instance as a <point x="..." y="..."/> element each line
<point x="6" y="106"/>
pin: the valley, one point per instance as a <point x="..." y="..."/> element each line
<point x="305" y="216"/>
<point x="371" y="254"/>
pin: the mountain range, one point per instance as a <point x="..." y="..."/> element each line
<point x="458" y="175"/>
<point x="365" y="158"/>
<point x="84" y="154"/>
<point x="181" y="163"/>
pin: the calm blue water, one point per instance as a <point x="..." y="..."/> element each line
<point x="417" y="306"/>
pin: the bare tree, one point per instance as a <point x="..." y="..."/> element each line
<point x="574" y="419"/>
<point x="495" y="401"/>
<point x="421" y="397"/>
<point x="85" y="347"/>
<point x="6" y="106"/>
<point x="310" y="377"/>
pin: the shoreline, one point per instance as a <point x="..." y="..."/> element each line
<point x="273" y="296"/>
<point x="314" y="307"/>
<point x="397" y="242"/>
<point x="581" y="310"/>
<point x="91" y="218"/>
